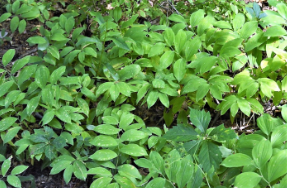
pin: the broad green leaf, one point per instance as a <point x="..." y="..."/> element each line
<point x="265" y="123"/>
<point x="129" y="171"/>
<point x="22" y="26"/>
<point x="200" y="119"/>
<point x="124" y="88"/>
<point x="101" y="182"/>
<point x="261" y="153"/>
<point x="114" y="92"/>
<point x="209" y="156"/>
<point x="172" y="165"/>
<point x="63" y="164"/>
<point x="129" y="72"/>
<point x="113" y="120"/>
<point x="158" y="83"/>
<point x="238" y="21"/>
<point x="157" y="161"/>
<point x="186" y="171"/>
<point x="237" y="160"/>
<point x="181" y="133"/>
<point x="2" y="183"/>
<point x="54" y="52"/>
<point x="26" y="73"/>
<point x="276" y="165"/>
<point x="247" y="180"/>
<point x="126" y="120"/>
<point x="142" y="162"/>
<point x="103" y="155"/>
<point x="196" y="17"/>
<point x="18" y="169"/>
<point x="180" y="40"/>
<point x="192" y="47"/>
<point x="63" y="115"/>
<point x="14" y="23"/>
<point x="156" y="182"/>
<point x="120" y="43"/>
<point x="8" y="56"/>
<point x="248" y="29"/>
<point x="20" y="63"/>
<point x="279" y="135"/>
<point x="58" y="37"/>
<point x="164" y="99"/>
<point x="103" y="172"/>
<point x="68" y="173"/>
<point x="117" y="14"/>
<point x="80" y="170"/>
<point x="106" y="129"/>
<point x="244" y="106"/>
<point x="84" y="106"/>
<point x="32" y="105"/>
<point x="156" y="49"/>
<point x="14" y="181"/>
<point x="5" y="166"/>
<point x="36" y="40"/>
<point x="69" y="24"/>
<point x="282" y="9"/>
<point x="57" y="74"/>
<point x="166" y="59"/>
<point x="133" y="135"/>
<point x="275" y="31"/>
<point x="11" y="133"/>
<point x="221" y="134"/>
<point x="103" y="87"/>
<point x="267" y="86"/>
<point x="11" y="97"/>
<point x="179" y="69"/>
<point x="176" y="18"/>
<point x="104" y="141"/>
<point x="134" y="150"/>
<point x="42" y="76"/>
<point x="5" y="16"/>
<point x="169" y="36"/>
<point x="152" y="98"/>
<point x="256" y="106"/>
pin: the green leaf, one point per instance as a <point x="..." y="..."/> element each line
<point x="2" y="183"/>
<point x="11" y="133"/>
<point x="265" y="123"/>
<point x="164" y="99"/>
<point x="110" y="120"/>
<point x="267" y="86"/>
<point x="58" y="37"/>
<point x="103" y="172"/>
<point x="42" y="76"/>
<point x="36" y="40"/>
<point x="172" y="165"/>
<point x="103" y="87"/>
<point x="129" y="72"/>
<point x="57" y="74"/>
<point x="133" y="135"/>
<point x="32" y="105"/>
<point x="54" y="52"/>
<point x="152" y="98"/>
<point x="11" y="97"/>
<point x="238" y="21"/>
<point x="22" y="26"/>
<point x="68" y="173"/>
<point x="104" y="141"/>
<point x="181" y="133"/>
<point x="221" y="134"/>
<point x="169" y="36"/>
<point x="200" y="119"/>
<point x="209" y="156"/>
<point x="156" y="49"/>
<point x="279" y="136"/>
<point x="80" y="170"/>
<point x="107" y="129"/>
<point x="129" y="171"/>
<point x="180" y="40"/>
<point x="247" y="180"/>
<point x="244" y="106"/>
<point x="63" y="115"/>
<point x="134" y="150"/>
<point x="19" y="169"/>
<point x="101" y="182"/>
<point x="275" y="31"/>
<point x="120" y="43"/>
<point x="282" y="9"/>
<point x="237" y="160"/>
<point x="186" y="171"/>
<point x="103" y="155"/>
<point x="26" y="73"/>
<point x="5" y="166"/>
<point x="4" y="87"/>
<point x="126" y="120"/>
<point x="5" y="16"/>
<point x="179" y="69"/>
<point x="276" y="164"/>
<point x="196" y="17"/>
<point x="69" y="25"/>
<point x="166" y="59"/>
<point x="156" y="182"/>
<point x="14" y="23"/>
<point x="8" y="56"/>
<point x="248" y="29"/>
<point x="158" y="83"/>
<point x="14" y="181"/>
<point x="261" y="153"/>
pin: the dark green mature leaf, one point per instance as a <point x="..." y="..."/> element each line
<point x="11" y="133"/>
<point x="181" y="133"/>
<point x="221" y="134"/>
<point x="200" y="119"/>
<point x="209" y="156"/>
<point x="120" y="43"/>
<point x="152" y="98"/>
<point x="80" y="170"/>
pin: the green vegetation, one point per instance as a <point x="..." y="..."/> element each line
<point x="98" y="61"/>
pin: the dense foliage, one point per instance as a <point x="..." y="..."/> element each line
<point x="98" y="61"/>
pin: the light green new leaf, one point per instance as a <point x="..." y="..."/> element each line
<point x="164" y="99"/>
<point x="134" y="150"/>
<point x="156" y="49"/>
<point x="84" y="106"/>
<point x="104" y="155"/>
<point x="5" y="166"/>
<point x="247" y="180"/>
<point x="120" y="43"/>
<point x="63" y="115"/>
<point x="282" y="9"/>
<point x="26" y="73"/>
<point x="103" y="172"/>
<point x="169" y="36"/>
<point x="196" y="17"/>
<point x="80" y="170"/>
<point x="54" y="51"/>
<point x="238" y="21"/>
<point x="267" y="86"/>
<point x="275" y="31"/>
<point x="69" y="25"/>
<point x="5" y="16"/>
<point x="129" y="171"/>
<point x="14" y="181"/>
<point x="179" y="69"/>
<point x="276" y="165"/>
<point x="125" y="120"/>
<point x="279" y="135"/>
<point x="11" y="97"/>
<point x="180" y="40"/>
<point x="133" y="135"/>
<point x="103" y="87"/>
<point x="261" y="153"/>
<point x="22" y="26"/>
<point x="248" y="29"/>
<point x="20" y="63"/>
<point x="114" y="92"/>
<point x="265" y="123"/>
<point x="113" y="120"/>
<point x="8" y="56"/>
<point x="166" y="59"/>
<point x="101" y="182"/>
<point x="176" y="18"/>
<point x="68" y="173"/>
<point x="237" y="160"/>
<point x="104" y="141"/>
<point x="158" y="83"/>
<point x="48" y="117"/>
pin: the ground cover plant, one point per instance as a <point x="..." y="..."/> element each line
<point x="75" y="102"/>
